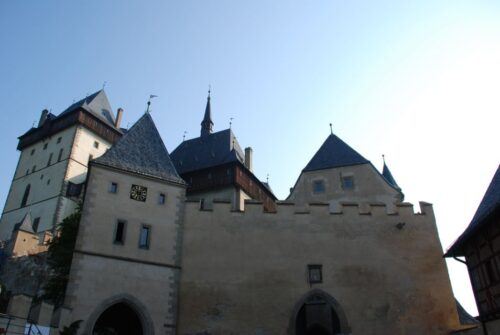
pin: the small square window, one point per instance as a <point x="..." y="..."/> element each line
<point x="113" y="188"/>
<point x="315" y="273"/>
<point x="120" y="232"/>
<point x="32" y="152"/>
<point x="318" y="186"/>
<point x="144" y="237"/>
<point x="36" y="223"/>
<point x="348" y="182"/>
<point x="59" y="140"/>
<point x="96" y="144"/>
<point x="45" y="146"/>
<point x="161" y="199"/>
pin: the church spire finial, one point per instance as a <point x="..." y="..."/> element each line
<point x="331" y="129"/>
<point x="207" y="124"/>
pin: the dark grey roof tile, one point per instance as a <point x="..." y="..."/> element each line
<point x="141" y="150"/>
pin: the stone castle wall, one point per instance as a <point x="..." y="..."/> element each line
<point x="245" y="272"/>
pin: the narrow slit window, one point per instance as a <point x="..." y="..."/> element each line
<point x="161" y="199"/>
<point x="45" y="146"/>
<point x="50" y="159"/>
<point x="60" y="155"/>
<point x="120" y="232"/>
<point x="59" y="140"/>
<point x="113" y="188"/>
<point x="144" y="237"/>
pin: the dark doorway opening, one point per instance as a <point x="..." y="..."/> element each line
<point x="118" y="319"/>
<point x="317" y="317"/>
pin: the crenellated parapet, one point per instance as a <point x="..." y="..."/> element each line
<point x="351" y="210"/>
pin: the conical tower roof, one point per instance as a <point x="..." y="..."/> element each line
<point x="141" y="150"/>
<point x="334" y="153"/>
<point x="386" y="173"/>
<point x="26" y="224"/>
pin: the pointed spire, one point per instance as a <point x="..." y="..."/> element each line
<point x="388" y="175"/>
<point x="207" y="124"/>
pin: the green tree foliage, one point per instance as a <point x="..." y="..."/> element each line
<point x="59" y="258"/>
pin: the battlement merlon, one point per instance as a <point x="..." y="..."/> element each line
<point x="341" y="208"/>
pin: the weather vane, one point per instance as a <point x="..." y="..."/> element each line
<point x="267" y="178"/>
<point x="104" y="84"/>
<point x="149" y="101"/>
<point x="231" y="122"/>
<point x="331" y="129"/>
<point x="184" y="136"/>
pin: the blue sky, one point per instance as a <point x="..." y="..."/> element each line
<point x="416" y="80"/>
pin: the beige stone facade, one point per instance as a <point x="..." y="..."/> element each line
<point x="47" y="167"/>
<point x="105" y="273"/>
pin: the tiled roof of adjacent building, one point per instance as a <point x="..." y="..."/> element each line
<point x="207" y="151"/>
<point x="334" y="153"/>
<point x="489" y="204"/>
<point x="142" y="151"/>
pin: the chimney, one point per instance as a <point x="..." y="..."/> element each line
<point x="248" y="158"/>
<point x="43" y="117"/>
<point x="119" y="114"/>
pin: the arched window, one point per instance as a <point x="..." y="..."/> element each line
<point x="26" y="195"/>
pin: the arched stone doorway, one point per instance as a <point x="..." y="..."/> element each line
<point x="118" y="319"/>
<point x="122" y="314"/>
<point x="318" y="313"/>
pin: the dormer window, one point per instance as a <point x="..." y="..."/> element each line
<point x="348" y="182"/>
<point x="318" y="186"/>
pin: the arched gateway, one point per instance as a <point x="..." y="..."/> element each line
<point x="318" y="313"/>
<point x="120" y="315"/>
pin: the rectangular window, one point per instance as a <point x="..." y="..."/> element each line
<point x="96" y="144"/>
<point x="50" y="159"/>
<point x="120" y="232"/>
<point x="113" y="188"/>
<point x="318" y="186"/>
<point x="45" y="146"/>
<point x="59" y="140"/>
<point x="28" y="172"/>
<point x="60" y="155"/>
<point x="161" y="199"/>
<point x="315" y="273"/>
<point x="32" y="152"/>
<point x="348" y="182"/>
<point x="144" y="237"/>
<point x="33" y="168"/>
<point x="36" y="223"/>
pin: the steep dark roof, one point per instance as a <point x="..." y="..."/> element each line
<point x="334" y="153"/>
<point x="141" y="150"/>
<point x="207" y="151"/>
<point x="489" y="204"/>
<point x="464" y="317"/>
<point x="26" y="224"/>
<point x="386" y="173"/>
<point x="96" y="104"/>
